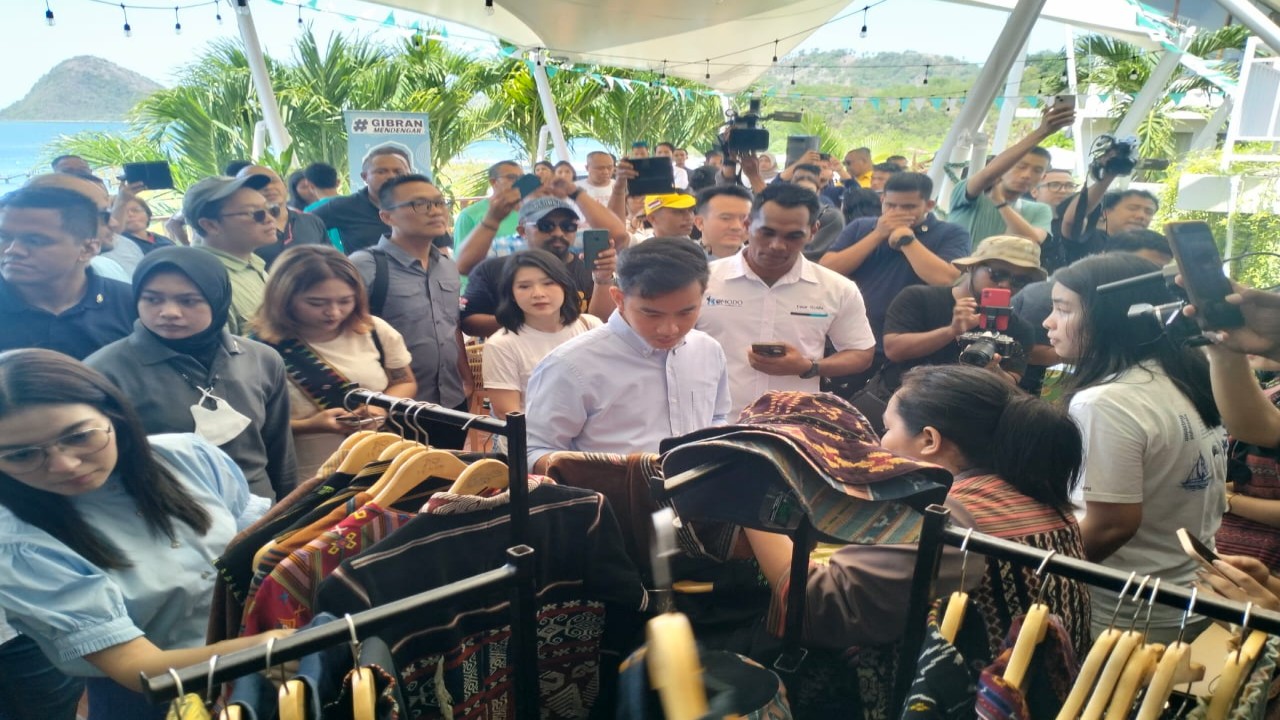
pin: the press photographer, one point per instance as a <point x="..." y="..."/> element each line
<point x="1090" y="216"/>
<point x="932" y="325"/>
<point x="741" y="138"/>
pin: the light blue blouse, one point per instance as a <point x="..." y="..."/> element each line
<point x="73" y="608"/>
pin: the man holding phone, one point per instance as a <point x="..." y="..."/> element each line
<point x="773" y="310"/>
<point x="501" y="176"/>
<point x="545" y="222"/>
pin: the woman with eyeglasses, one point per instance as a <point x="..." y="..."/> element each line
<point x="931" y="325"/>
<point x="107" y="535"/>
<point x="316" y="315"/>
<point x="1155" y="448"/>
<point x="185" y="373"/>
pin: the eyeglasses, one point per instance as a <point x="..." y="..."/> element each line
<point x="1060" y="186"/>
<point x="546" y="225"/>
<point x="1014" y="279"/>
<point x="78" y="443"/>
<point x="421" y="206"/>
<point x="259" y="216"/>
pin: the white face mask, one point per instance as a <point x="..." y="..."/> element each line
<point x="220" y="425"/>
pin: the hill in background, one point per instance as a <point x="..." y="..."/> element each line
<point x="79" y="89"/>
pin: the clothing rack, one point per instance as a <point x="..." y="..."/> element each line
<point x="412" y="411"/>
<point x="517" y="574"/>
<point x="937" y="533"/>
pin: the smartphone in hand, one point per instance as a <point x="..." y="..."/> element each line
<point x="527" y="184"/>
<point x="771" y="349"/>
<point x="1202" y="275"/>
<point x="1198" y="551"/>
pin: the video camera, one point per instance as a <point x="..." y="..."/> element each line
<point x="980" y="347"/>
<point x="1122" y="162"/>
<point x="743" y="133"/>
<point x="1206" y="286"/>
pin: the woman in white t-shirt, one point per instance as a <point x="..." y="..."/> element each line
<point x="315" y="312"/>
<point x="538" y="310"/>
<point x="1155" y="448"/>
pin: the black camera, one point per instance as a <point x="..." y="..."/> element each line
<point x="980" y="348"/>
<point x="744" y="134"/>
<point x="1122" y="162"/>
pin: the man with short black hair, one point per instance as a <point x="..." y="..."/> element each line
<point x="721" y="216"/>
<point x="880" y="174"/>
<point x="324" y="180"/>
<point x="1055" y="186"/>
<point x="293" y="227"/>
<point x="233" y="220"/>
<point x="645" y="375"/>
<point x="502" y="175"/>
<point x="355" y="221"/>
<point x="51" y="297"/>
<point x="705" y="176"/>
<point x="900" y="161"/>
<point x="1118" y="212"/>
<point x="770" y="293"/>
<point x="73" y="164"/>
<point x="415" y="288"/>
<point x="991" y="201"/>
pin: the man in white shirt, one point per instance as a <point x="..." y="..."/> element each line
<point x="769" y="294"/>
<point x="599" y="181"/>
<point x="680" y="175"/>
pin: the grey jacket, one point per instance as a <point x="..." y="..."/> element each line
<point x="249" y="375"/>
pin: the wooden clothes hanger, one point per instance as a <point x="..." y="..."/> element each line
<point x="675" y="670"/>
<point x="1126" y="644"/>
<point x="481" y="475"/>
<point x="1034" y="627"/>
<point x="1237" y="668"/>
<point x="1093" y="662"/>
<point x="364" y="690"/>
<point x="1174" y="667"/>
<point x="186" y="706"/>
<point x="366" y="451"/>
<point x="393" y="486"/>
<point x="954" y="616"/>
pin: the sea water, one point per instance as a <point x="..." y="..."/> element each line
<point x="26" y="147"/>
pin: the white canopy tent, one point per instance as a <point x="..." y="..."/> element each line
<point x="728" y="44"/>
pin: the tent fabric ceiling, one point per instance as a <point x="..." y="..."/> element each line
<point x="736" y="36"/>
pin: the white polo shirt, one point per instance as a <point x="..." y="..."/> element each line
<point x="803" y="308"/>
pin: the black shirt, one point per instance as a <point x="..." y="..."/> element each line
<point x="105" y="314"/>
<point x="484" y="281"/>
<point x="157" y="241"/>
<point x="921" y="308"/>
<point x="302" y="229"/>
<point x="356" y="219"/>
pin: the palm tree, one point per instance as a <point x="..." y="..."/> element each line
<point x="620" y="116"/>
<point x="518" y="94"/>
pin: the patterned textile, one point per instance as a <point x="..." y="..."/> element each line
<point x="388" y="704"/>
<point x="1260" y="478"/>
<point x="946" y="677"/>
<point x="286" y="598"/>
<point x="1008" y="590"/>
<point x="1252" y="701"/>
<point x="736" y="687"/>
<point x="1049" y="678"/>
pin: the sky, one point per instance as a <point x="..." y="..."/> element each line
<point x="95" y="27"/>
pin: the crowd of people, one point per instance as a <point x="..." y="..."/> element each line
<point x="159" y="392"/>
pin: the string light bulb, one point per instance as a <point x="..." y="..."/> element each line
<point x="708" y="75"/>
<point x="775" y="51"/>
<point x="926" y="75"/>
<point x="793" y="74"/>
<point x="128" y="29"/>
<point x="1133" y="74"/>
<point x="488" y="7"/>
<point x="48" y="14"/>
<point x="217" y="11"/>
<point x="863" y="32"/>
<point x="177" y="22"/>
<point x="300" y="23"/>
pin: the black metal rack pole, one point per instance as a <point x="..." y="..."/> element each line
<point x="928" y="560"/>
<point x="162" y="688"/>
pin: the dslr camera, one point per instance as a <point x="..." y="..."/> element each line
<point x="979" y="347"/>
<point x="744" y="133"/>
<point x="1122" y="162"/>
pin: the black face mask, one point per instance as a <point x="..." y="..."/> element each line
<point x="209" y="276"/>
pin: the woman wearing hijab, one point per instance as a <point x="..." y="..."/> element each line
<point x="185" y="373"/>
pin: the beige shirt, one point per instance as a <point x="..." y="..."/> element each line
<point x="248" y="285"/>
<point x="356" y="357"/>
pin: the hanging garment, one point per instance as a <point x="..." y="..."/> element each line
<point x="1254" y="696"/>
<point x="453" y="662"/>
<point x="1255" y="471"/>
<point x="255" y="696"/>
<point x="1050" y="677"/>
<point x="736" y="687"/>
<point x="945" y="683"/>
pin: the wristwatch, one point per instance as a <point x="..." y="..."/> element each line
<point x="1002" y="205"/>
<point x="574" y="195"/>
<point x="904" y="240"/>
<point x="812" y="372"/>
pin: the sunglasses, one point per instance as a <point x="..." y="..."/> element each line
<point x="998" y="276"/>
<point x="259" y="216"/>
<point x="547" y="225"/>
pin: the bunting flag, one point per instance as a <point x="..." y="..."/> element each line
<point x="1178" y="97"/>
<point x="936" y="103"/>
<point x="1000" y="103"/>
<point x="847" y="103"/>
<point x="903" y="104"/>
<point x="875" y="103"/>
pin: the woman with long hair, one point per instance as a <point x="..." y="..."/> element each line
<point x="1155" y="448"/>
<point x="107" y="536"/>
<point x="315" y="312"/>
<point x="185" y="373"/>
<point x="538" y="309"/>
<point x="1015" y="460"/>
<point x="564" y="170"/>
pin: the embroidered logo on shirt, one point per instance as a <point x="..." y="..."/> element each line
<point x="722" y="302"/>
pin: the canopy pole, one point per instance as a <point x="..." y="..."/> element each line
<point x="1253" y="18"/>
<point x="552" y="117"/>
<point x="1012" y="90"/>
<point x="1081" y="153"/>
<point x="1152" y="92"/>
<point x="1012" y="37"/>
<point x="1208" y="135"/>
<point x="280" y="140"/>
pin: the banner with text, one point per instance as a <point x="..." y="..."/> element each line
<point x="369" y="129"/>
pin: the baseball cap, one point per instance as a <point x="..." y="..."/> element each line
<point x="212" y="189"/>
<point x="794" y="455"/>
<point x="1012" y="249"/>
<point x="678" y="201"/>
<point x="531" y="211"/>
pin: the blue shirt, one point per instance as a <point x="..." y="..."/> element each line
<point x="73" y="608"/>
<point x="105" y="314"/>
<point x="886" y="272"/>
<point x="609" y="391"/>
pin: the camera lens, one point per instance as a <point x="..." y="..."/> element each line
<point x="979" y="353"/>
